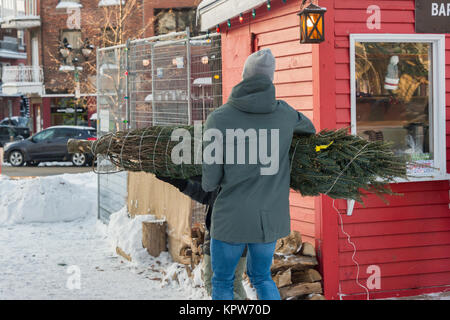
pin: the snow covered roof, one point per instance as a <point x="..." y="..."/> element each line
<point x="72" y="127"/>
<point x="214" y="12"/>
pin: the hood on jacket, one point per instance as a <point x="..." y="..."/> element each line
<point x="254" y="95"/>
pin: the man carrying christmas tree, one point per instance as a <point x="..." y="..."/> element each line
<point x="252" y="208"/>
<point x="193" y="189"/>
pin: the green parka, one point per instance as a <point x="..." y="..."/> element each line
<point x="252" y="206"/>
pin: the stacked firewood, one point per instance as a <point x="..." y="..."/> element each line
<point x="294" y="269"/>
<point x="194" y="252"/>
<point x="198" y="237"/>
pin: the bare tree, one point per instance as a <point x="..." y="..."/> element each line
<point x="105" y="27"/>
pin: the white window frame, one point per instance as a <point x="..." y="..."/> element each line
<point x="438" y="92"/>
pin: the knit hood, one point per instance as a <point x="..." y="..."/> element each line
<point x="254" y="95"/>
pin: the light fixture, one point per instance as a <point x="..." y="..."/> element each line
<point x="241" y="18"/>
<point x="87" y="48"/>
<point x="86" y="52"/>
<point x="64" y="52"/>
<point x="312" y="24"/>
<point x="146" y="62"/>
<point x="205" y="60"/>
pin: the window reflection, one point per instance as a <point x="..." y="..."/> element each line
<point x="393" y="85"/>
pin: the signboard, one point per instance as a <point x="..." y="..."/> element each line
<point x="433" y="16"/>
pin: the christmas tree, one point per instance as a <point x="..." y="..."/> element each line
<point x="331" y="162"/>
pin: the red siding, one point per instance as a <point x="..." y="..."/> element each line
<point x="277" y="30"/>
<point x="409" y="239"/>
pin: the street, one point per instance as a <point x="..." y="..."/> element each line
<point x="41" y="170"/>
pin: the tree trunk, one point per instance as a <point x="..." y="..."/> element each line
<point x="154" y="237"/>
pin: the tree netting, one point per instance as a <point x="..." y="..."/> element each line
<point x="331" y="162"/>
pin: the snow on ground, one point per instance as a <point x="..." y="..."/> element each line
<point x="53" y="247"/>
<point x="47" y="164"/>
<point x="47" y="199"/>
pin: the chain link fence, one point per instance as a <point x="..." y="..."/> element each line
<point x="173" y="79"/>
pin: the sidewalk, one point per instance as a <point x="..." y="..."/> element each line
<point x="35" y="262"/>
<point x="42" y="257"/>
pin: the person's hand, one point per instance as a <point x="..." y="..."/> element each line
<point x="196" y="178"/>
<point x="177" y="183"/>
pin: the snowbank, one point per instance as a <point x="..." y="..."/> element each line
<point x="59" y="198"/>
<point x="126" y="233"/>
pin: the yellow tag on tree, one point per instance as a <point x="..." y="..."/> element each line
<point x="323" y="147"/>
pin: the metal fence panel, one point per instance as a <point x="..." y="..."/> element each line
<point x="112" y="115"/>
<point x="164" y="80"/>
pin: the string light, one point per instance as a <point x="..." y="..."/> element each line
<point x="241" y="17"/>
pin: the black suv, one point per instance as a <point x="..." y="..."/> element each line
<point x="10" y="133"/>
<point x="49" y="145"/>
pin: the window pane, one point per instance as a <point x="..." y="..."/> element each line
<point x="393" y="98"/>
<point x="175" y="20"/>
<point x="44" y="135"/>
<point x="73" y="38"/>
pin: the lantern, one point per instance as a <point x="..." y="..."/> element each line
<point x="312" y="24"/>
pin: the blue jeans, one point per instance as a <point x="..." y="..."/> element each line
<point x="225" y="257"/>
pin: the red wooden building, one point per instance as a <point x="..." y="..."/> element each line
<point x="374" y="73"/>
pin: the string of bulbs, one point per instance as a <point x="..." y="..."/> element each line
<point x="253" y="14"/>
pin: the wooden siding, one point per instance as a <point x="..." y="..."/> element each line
<point x="277" y="30"/>
<point x="409" y="239"/>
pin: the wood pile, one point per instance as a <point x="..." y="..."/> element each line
<point x="195" y="251"/>
<point x="294" y="269"/>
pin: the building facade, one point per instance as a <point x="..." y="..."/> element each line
<point x="378" y="74"/>
<point x="12" y="55"/>
<point x="58" y="74"/>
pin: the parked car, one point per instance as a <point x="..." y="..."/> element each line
<point x="49" y="145"/>
<point x="16" y="122"/>
<point x="8" y="134"/>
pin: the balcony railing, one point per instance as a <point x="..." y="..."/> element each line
<point x="22" y="74"/>
<point x="19" y="14"/>
<point x="22" y="80"/>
